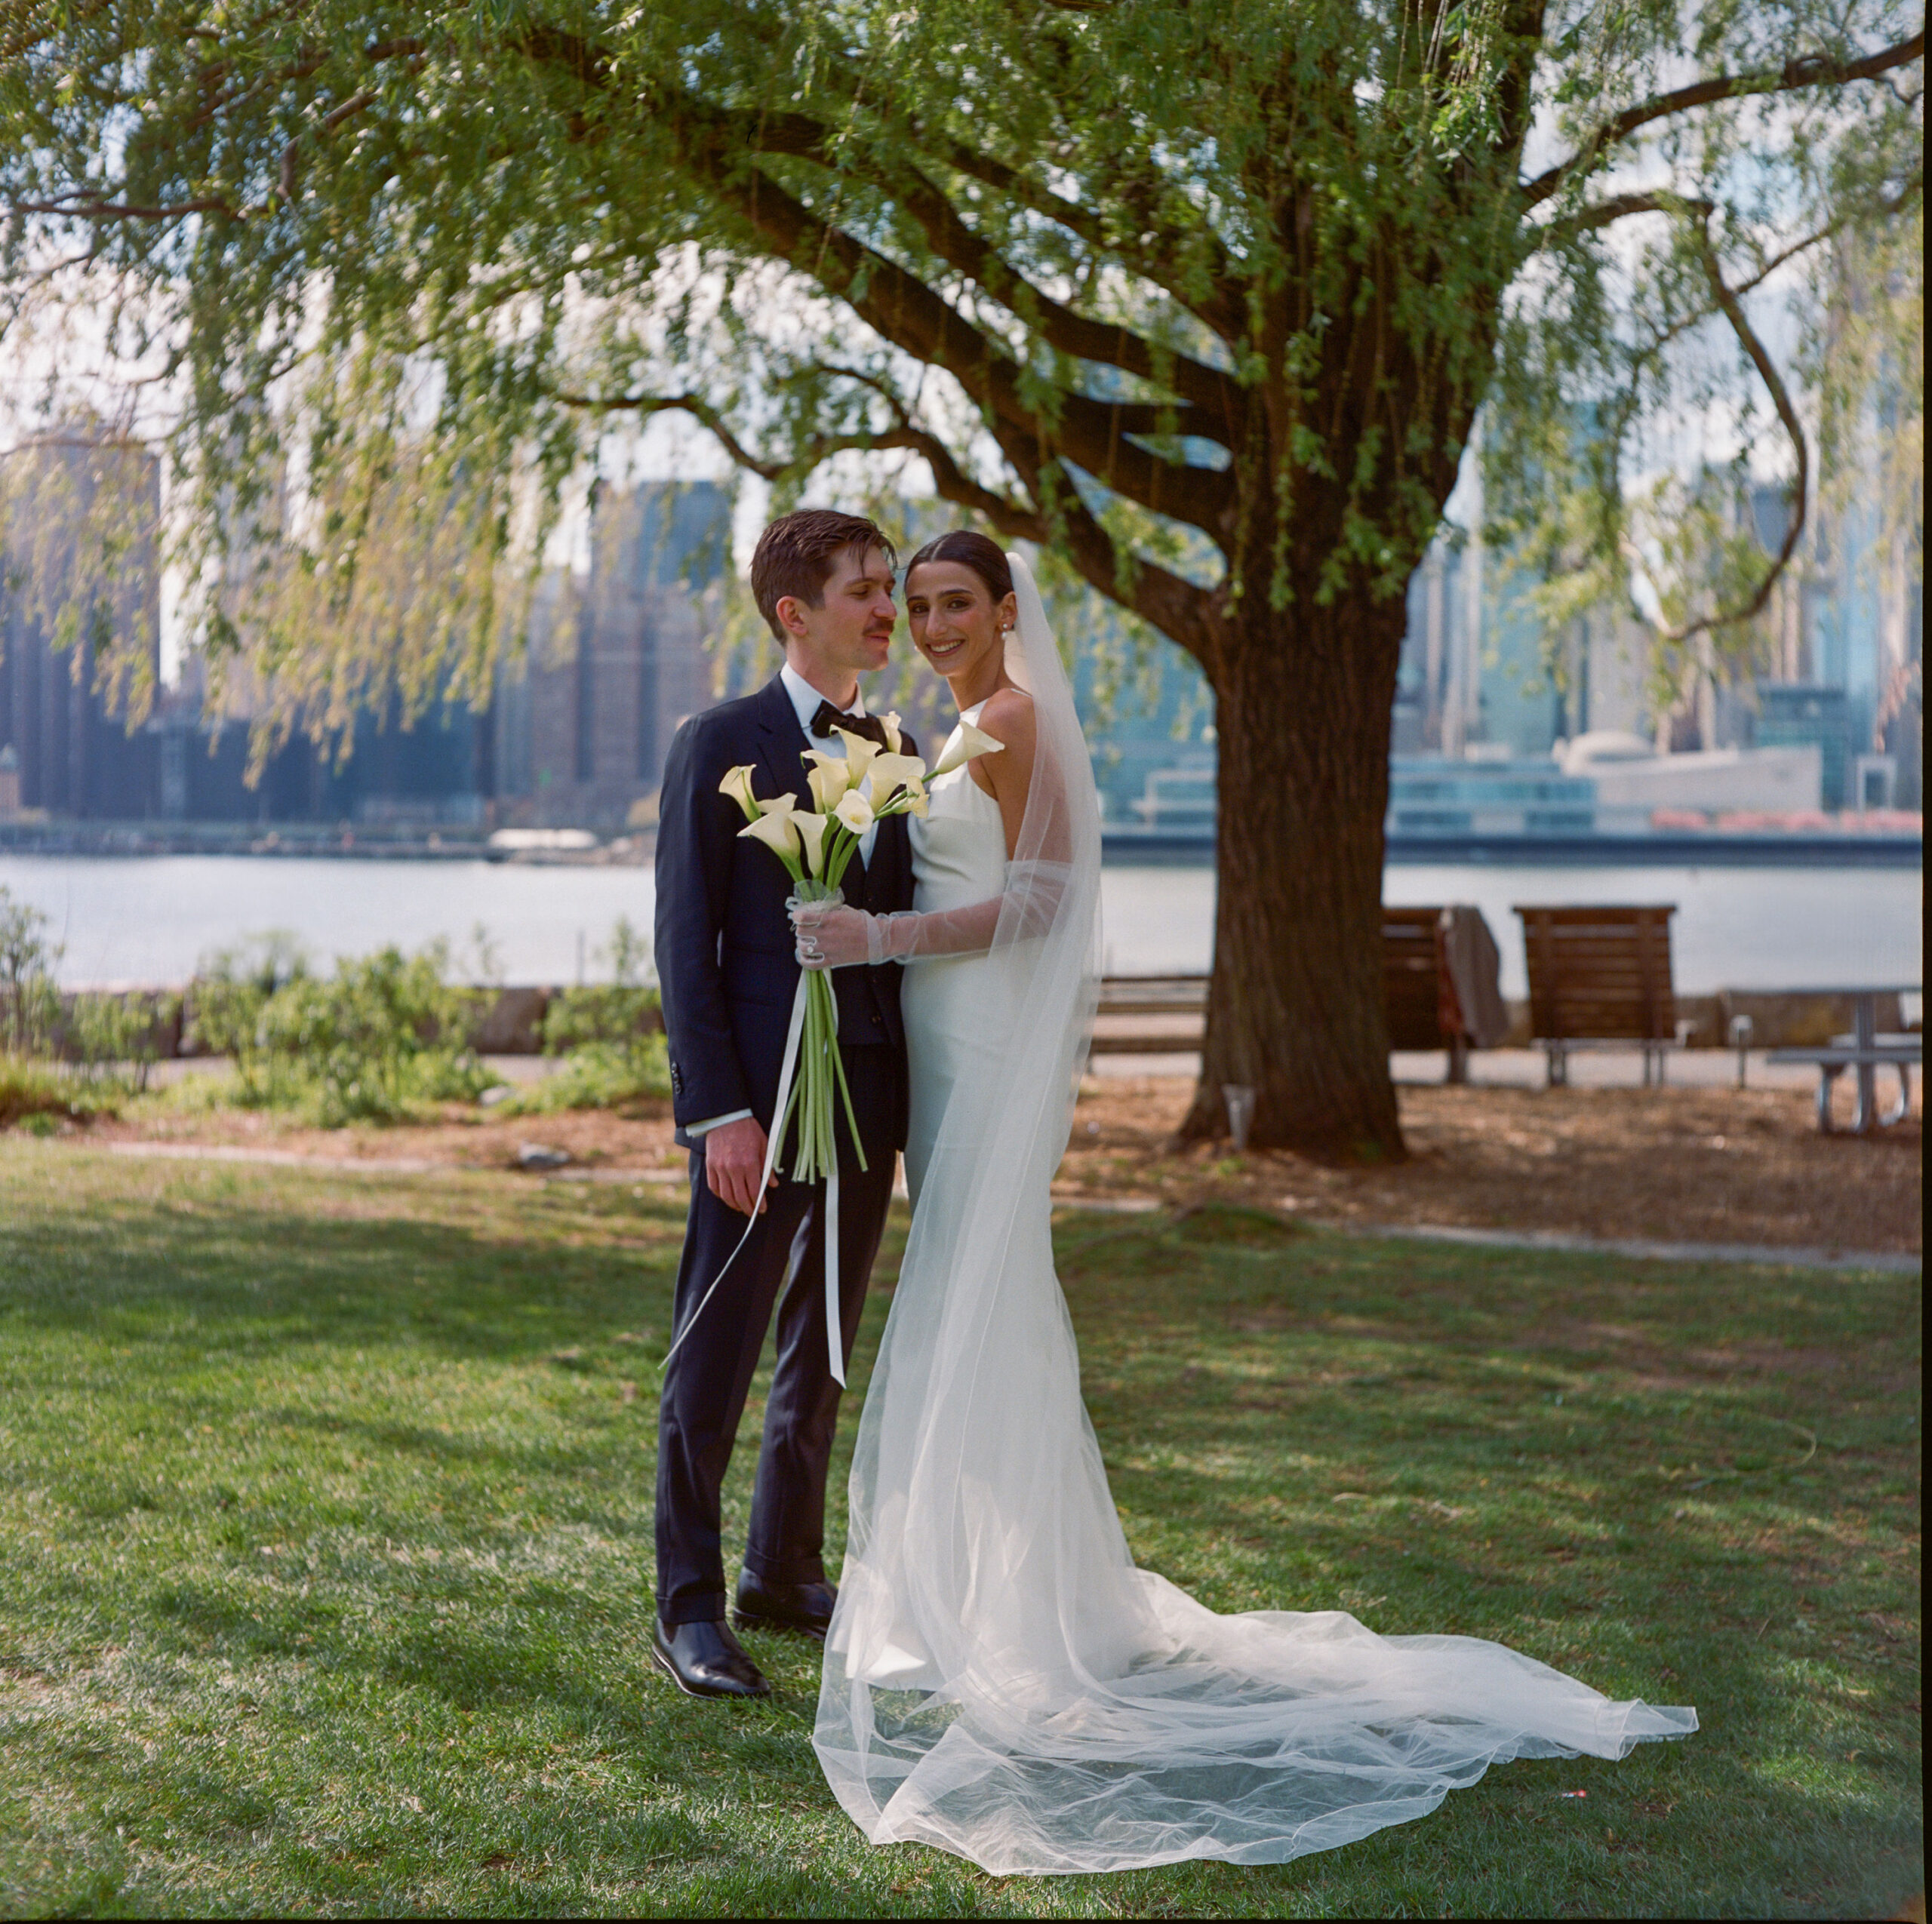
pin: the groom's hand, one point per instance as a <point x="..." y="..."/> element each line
<point x="733" y="1161"/>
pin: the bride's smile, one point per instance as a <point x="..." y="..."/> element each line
<point x="959" y="628"/>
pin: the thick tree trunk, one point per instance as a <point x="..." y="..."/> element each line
<point x="1295" y="1011"/>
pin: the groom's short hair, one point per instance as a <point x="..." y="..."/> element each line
<point x="795" y="555"/>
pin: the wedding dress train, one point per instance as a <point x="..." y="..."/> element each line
<point x="1001" y="1680"/>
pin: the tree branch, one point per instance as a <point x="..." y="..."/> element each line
<point x="73" y="207"/>
<point x="800" y="136"/>
<point x="953" y="485"/>
<point x="901" y="308"/>
<point x="1733" y="310"/>
<point x="1601" y="213"/>
<point x="1619" y="207"/>
<point x="1224" y="313"/>
<point x="1205" y="389"/>
<point x="1813" y="70"/>
<point x="1155" y="593"/>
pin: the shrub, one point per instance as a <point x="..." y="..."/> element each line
<point x="37" y="1095"/>
<point x="228" y="1006"/>
<point x="29" y="1002"/>
<point x="612" y="1014"/>
<point x="385" y="1032"/>
<point x="599" y="1075"/>
<point x="610" y="1033"/>
<point x="115" y="1040"/>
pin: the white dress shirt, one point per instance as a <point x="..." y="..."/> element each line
<point x="805" y="699"/>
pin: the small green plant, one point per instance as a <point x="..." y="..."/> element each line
<point x="35" y="1096"/>
<point x="611" y="1034"/>
<point x="599" y="1075"/>
<point x="385" y="1032"/>
<point x="229" y="1011"/>
<point x="29" y="1002"/>
<point x="114" y="1041"/>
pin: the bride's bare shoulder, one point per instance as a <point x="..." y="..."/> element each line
<point x="1009" y="710"/>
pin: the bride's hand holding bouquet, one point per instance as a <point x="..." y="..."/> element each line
<point x="849" y="794"/>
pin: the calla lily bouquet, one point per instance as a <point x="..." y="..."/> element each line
<point x="849" y="793"/>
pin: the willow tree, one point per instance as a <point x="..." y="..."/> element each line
<point x="1203" y="297"/>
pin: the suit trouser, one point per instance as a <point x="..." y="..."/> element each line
<point x="706" y="1383"/>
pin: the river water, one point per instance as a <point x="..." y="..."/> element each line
<point x="151" y="919"/>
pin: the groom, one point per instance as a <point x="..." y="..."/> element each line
<point x="823" y="582"/>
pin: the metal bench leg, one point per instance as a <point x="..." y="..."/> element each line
<point x="1825" y="1079"/>
<point x="1459" y="1060"/>
<point x="1865" y="1110"/>
<point x="1903" y="1109"/>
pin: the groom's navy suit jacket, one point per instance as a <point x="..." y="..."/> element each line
<point x="724" y="947"/>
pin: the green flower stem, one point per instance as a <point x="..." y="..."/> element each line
<point x="821" y="1088"/>
<point x="845" y="1095"/>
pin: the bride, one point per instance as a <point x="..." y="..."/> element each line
<point x="1001" y="1680"/>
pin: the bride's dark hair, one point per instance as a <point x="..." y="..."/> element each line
<point x="970" y="550"/>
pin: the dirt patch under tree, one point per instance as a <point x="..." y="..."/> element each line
<point x="1698" y="1164"/>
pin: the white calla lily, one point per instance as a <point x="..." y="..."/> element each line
<point x="854" y="811"/>
<point x="784" y="804"/>
<point x="967" y="745"/>
<point x="892" y="771"/>
<point x="829" y="775"/>
<point x="738" y="783"/>
<point x="811" y="830"/>
<point x="859" y="753"/>
<point x="778" y="832"/>
<point x="895" y="735"/>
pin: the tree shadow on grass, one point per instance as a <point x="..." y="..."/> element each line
<point x="1741" y="1824"/>
<point x="257" y="1281"/>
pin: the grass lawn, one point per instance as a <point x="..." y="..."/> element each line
<point x="325" y="1542"/>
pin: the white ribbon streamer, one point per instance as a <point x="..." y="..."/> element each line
<point x="793" y="1036"/>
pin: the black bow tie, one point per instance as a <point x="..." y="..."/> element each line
<point x="829" y="717"/>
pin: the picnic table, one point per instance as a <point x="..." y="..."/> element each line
<point x="1864" y="1051"/>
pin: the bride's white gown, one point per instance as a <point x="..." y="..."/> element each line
<point x="1001" y="1680"/>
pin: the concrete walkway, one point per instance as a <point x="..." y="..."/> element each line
<point x="1506" y="1068"/>
<point x="1890" y="1262"/>
<point x="224" y="1152"/>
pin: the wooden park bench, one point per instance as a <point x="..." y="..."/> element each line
<point x="1153" y="995"/>
<point x="1421" y="1006"/>
<point x="1600" y="979"/>
<point x="1424" y="1009"/>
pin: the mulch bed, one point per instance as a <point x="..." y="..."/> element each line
<point x="1692" y="1165"/>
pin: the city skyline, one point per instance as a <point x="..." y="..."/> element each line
<point x="619" y="651"/>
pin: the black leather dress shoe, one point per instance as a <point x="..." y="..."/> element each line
<point x="804" y="1607"/>
<point x="705" y="1660"/>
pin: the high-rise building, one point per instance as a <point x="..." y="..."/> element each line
<point x="615" y="661"/>
<point x="65" y="493"/>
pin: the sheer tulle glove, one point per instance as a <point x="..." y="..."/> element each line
<point x="829" y="935"/>
<point x="832" y="936"/>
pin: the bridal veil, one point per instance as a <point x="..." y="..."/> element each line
<point x="1000" y="1680"/>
